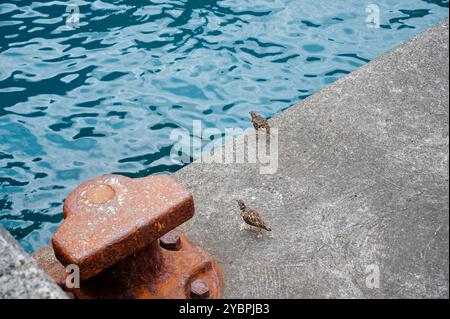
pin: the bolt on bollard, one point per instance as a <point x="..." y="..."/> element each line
<point x="121" y="233"/>
<point x="199" y="289"/>
<point x="171" y="240"/>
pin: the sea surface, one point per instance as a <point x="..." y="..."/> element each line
<point x="100" y="92"/>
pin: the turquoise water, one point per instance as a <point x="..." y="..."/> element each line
<point x="103" y="98"/>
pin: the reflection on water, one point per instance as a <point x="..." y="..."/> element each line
<point x="103" y="98"/>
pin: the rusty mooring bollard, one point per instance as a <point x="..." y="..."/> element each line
<point x="121" y="234"/>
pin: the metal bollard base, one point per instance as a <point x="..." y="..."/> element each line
<point x="152" y="273"/>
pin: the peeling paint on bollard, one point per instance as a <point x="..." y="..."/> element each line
<point x="120" y="232"/>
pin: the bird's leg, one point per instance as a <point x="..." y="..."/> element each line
<point x="252" y="229"/>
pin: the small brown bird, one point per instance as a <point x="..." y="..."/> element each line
<point x="260" y="122"/>
<point x="252" y="217"/>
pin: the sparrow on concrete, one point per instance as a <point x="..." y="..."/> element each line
<point x="251" y="217"/>
<point x="260" y="122"/>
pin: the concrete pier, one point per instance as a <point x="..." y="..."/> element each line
<point x="362" y="186"/>
<point x="359" y="205"/>
<point x="20" y="277"/>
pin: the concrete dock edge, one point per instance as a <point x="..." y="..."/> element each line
<point x="361" y="189"/>
<point x="20" y="277"/>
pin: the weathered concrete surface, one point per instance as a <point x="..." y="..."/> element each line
<point x="362" y="180"/>
<point x="19" y="275"/>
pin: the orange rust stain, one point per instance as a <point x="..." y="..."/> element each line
<point x="159" y="227"/>
<point x="100" y="194"/>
